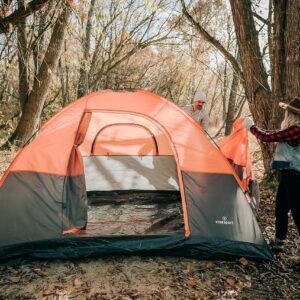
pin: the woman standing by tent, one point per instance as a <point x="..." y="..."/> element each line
<point x="287" y="160"/>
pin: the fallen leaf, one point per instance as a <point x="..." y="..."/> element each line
<point x="189" y="269"/>
<point x="210" y="265"/>
<point x="240" y="285"/>
<point x="198" y="295"/>
<point x="191" y="282"/>
<point x="244" y="261"/>
<point x="230" y="281"/>
<point x="78" y="282"/>
<point x="14" y="279"/>
<point x="111" y="269"/>
<point x="70" y="289"/>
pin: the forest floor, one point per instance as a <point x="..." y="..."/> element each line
<point x="137" y="277"/>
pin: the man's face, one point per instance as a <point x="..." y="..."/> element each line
<point x="198" y="104"/>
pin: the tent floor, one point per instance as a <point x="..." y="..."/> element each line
<point x="134" y="213"/>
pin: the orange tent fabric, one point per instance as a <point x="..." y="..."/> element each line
<point x="235" y="148"/>
<point x="175" y="127"/>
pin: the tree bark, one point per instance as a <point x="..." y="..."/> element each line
<point x="292" y="46"/>
<point x="38" y="45"/>
<point x="83" y="78"/>
<point x="23" y="60"/>
<point x="32" y="111"/>
<point x="230" y="115"/>
<point x="278" y="59"/>
<point x="258" y="92"/>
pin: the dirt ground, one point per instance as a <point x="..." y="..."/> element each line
<point x="159" y="277"/>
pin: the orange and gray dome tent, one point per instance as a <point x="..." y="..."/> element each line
<point x="132" y="141"/>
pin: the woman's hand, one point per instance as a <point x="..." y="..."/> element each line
<point x="248" y="122"/>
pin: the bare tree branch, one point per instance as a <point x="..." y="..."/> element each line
<point x="260" y="18"/>
<point x="20" y="14"/>
<point x="212" y="40"/>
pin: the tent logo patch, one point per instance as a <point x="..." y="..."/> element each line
<point x="224" y="221"/>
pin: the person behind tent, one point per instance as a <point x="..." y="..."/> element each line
<point x="287" y="160"/>
<point x="196" y="110"/>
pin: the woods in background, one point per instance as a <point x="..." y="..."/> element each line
<point x="238" y="52"/>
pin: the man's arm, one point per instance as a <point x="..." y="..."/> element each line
<point x="187" y="109"/>
<point x="204" y="121"/>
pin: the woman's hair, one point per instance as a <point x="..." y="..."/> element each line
<point x="290" y="119"/>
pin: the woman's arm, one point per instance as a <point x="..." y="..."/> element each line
<point x="287" y="135"/>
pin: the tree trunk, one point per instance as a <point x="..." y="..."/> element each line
<point x="22" y="60"/>
<point x="278" y="59"/>
<point x="257" y="89"/>
<point x="83" y="78"/>
<point x="230" y="116"/>
<point x="224" y="90"/>
<point x="292" y="46"/>
<point x="32" y="111"/>
<point x="39" y="45"/>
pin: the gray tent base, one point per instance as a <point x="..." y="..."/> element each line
<point x="169" y="245"/>
<point x="209" y="239"/>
